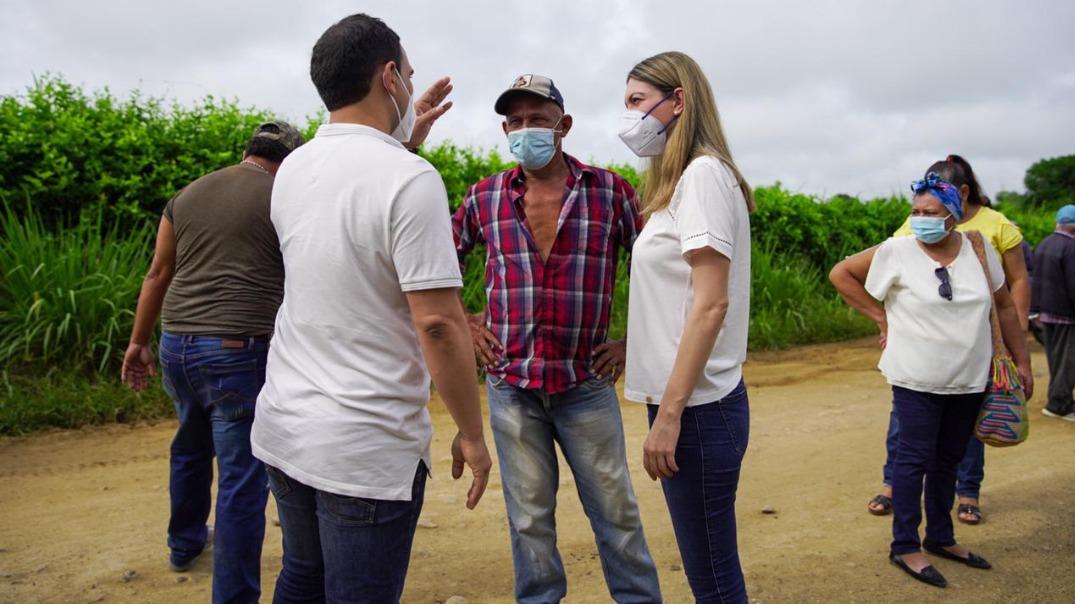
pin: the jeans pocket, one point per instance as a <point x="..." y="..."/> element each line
<point x="278" y="482"/>
<point x="735" y="408"/>
<point x="496" y="381"/>
<point x="231" y="389"/>
<point x="347" y="511"/>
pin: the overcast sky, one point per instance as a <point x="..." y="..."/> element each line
<point x="829" y="96"/>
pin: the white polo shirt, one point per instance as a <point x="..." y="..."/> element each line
<point x="935" y="344"/>
<point x="361" y="221"/>
<point x="707" y="210"/>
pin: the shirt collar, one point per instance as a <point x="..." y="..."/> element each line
<point x="343" y="129"/>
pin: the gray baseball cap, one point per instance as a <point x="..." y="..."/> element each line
<point x="531" y="84"/>
<point x="281" y="132"/>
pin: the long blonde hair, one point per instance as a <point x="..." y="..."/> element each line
<point x="697" y="132"/>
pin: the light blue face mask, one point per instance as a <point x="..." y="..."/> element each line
<point x="929" y="229"/>
<point x="533" y="147"/>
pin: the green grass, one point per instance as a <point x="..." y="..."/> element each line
<point x="791" y="304"/>
<point x="58" y="399"/>
<point x="67" y="298"/>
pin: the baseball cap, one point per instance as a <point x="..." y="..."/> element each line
<point x="281" y="132"/>
<point x="1066" y="215"/>
<point x="533" y="84"/>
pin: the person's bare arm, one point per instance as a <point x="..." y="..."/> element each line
<point x="445" y="339"/>
<point x="849" y="279"/>
<point x="709" y="274"/>
<point x="1019" y="281"/>
<point x="1014" y="338"/>
<point x="138" y="362"/>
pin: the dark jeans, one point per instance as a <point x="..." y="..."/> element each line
<point x="214" y="389"/>
<point x="969" y="473"/>
<point x="701" y="496"/>
<point x="343" y="549"/>
<point x="934" y="429"/>
<point x="1060" y="353"/>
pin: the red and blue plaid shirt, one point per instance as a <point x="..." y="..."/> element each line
<point x="550" y="314"/>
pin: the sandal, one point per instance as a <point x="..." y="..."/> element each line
<point x="971" y="510"/>
<point x="884" y="506"/>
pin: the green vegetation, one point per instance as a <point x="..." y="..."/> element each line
<point x="83" y="178"/>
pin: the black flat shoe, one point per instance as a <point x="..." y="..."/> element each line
<point x="928" y="574"/>
<point x="972" y="560"/>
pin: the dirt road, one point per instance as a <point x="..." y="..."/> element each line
<point x="83" y="513"/>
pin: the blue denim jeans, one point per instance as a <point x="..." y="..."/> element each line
<point x="214" y="388"/>
<point x="701" y="497"/>
<point x="934" y="429"/>
<point x="343" y="549"/>
<point x="969" y="473"/>
<point x="586" y="422"/>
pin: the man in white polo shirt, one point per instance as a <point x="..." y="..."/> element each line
<point x="371" y="285"/>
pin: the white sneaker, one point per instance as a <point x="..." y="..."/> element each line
<point x="1069" y="417"/>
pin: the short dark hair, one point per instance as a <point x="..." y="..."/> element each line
<point x="346" y="56"/>
<point x="266" y="148"/>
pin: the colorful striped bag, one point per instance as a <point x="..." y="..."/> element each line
<point x="1003" y="419"/>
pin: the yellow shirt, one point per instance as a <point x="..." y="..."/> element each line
<point x="992" y="224"/>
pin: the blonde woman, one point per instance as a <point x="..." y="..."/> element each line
<point x="687" y="318"/>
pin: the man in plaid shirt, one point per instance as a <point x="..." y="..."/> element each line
<point x="552" y="228"/>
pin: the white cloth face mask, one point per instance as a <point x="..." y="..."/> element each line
<point x="405" y="129"/>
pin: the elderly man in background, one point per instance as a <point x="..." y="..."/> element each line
<point x="1054" y="301"/>
<point x="218" y="275"/>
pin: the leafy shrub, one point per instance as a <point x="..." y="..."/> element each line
<point x="65" y="150"/>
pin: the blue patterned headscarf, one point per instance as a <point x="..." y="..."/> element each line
<point x="946" y="192"/>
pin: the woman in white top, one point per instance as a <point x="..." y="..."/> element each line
<point x="934" y="322"/>
<point x="688" y="311"/>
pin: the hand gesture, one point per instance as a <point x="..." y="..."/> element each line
<point x="474" y="454"/>
<point x="428" y="109"/>
<point x="138" y="365"/>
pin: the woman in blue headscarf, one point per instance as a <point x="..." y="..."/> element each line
<point x="933" y="315"/>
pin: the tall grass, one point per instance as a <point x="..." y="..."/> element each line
<point x="790" y="304"/>
<point x="67" y="297"/>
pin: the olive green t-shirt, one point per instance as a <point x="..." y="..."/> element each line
<point x="229" y="275"/>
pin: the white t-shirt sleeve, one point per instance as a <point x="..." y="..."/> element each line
<point x="704" y="216"/>
<point x="421" y="243"/>
<point x="884" y="270"/>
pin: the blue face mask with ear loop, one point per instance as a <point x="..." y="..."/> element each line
<point x="929" y="229"/>
<point x="534" y="148"/>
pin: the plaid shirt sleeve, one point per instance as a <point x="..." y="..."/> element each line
<point x="466" y="227"/>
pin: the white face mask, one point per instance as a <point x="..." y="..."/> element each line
<point x="642" y="132"/>
<point x="405" y="128"/>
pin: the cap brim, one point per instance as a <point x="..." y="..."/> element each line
<point x="501" y="105"/>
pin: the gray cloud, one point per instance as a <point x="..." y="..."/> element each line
<point x="835" y="96"/>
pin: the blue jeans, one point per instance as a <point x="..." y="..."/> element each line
<point x="701" y="497"/>
<point x="343" y="549"/>
<point x="214" y="389"/>
<point x="969" y="473"/>
<point x="934" y="429"/>
<point x="586" y="422"/>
